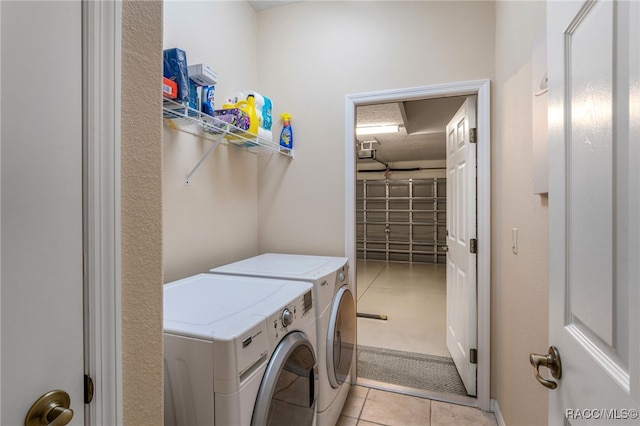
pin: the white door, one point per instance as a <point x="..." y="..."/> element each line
<point x="41" y="206"/>
<point x="461" y="235"/>
<point x="594" y="213"/>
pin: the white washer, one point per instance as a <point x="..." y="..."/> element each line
<point x="239" y="351"/>
<point x="336" y="317"/>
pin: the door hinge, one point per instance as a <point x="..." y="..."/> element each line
<point x="473" y="356"/>
<point x="473" y="135"/>
<point x="473" y="245"/>
<point x="88" y="389"/>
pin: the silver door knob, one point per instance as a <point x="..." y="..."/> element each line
<point x="445" y="248"/>
<point x="50" y="409"/>
<point x="552" y="361"/>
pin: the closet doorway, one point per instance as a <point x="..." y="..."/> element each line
<point x="399" y="242"/>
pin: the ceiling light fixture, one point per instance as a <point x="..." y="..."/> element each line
<point x="376" y="130"/>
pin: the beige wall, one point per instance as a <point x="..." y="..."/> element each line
<point x="214" y="220"/>
<point x="519" y="311"/>
<point x="141" y="151"/>
<point x="311" y="55"/>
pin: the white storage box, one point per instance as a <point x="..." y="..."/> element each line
<point x="202" y="75"/>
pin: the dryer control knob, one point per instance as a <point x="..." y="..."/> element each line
<point x="341" y="276"/>
<point x="286" y="318"/>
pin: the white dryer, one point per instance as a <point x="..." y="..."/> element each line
<point x="336" y="317"/>
<point x="239" y="351"/>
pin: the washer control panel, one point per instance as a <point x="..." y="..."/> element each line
<point x="288" y="317"/>
<point x="342" y="277"/>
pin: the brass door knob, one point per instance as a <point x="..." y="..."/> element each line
<point x="50" y="409"/>
<point x="552" y="361"/>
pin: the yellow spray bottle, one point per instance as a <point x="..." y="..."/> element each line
<point x="286" y="135"/>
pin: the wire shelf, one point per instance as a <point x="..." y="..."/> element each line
<point x="181" y="117"/>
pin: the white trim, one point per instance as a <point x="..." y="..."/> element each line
<point x="101" y="194"/>
<point x="495" y="408"/>
<point x="481" y="88"/>
<point x="0" y="211"/>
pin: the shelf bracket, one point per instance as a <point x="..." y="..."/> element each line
<point x="180" y="117"/>
<point x="213" y="146"/>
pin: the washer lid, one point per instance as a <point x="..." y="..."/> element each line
<point x="290" y="266"/>
<point x="213" y="306"/>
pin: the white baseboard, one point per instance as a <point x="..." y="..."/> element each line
<point x="496" y="411"/>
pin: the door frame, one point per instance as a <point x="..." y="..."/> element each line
<point x="480" y="88"/>
<point x="101" y="45"/>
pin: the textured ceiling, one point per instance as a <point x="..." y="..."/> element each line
<point x="422" y="131"/>
<point x="268" y="4"/>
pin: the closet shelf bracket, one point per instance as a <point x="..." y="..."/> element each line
<point x="180" y="117"/>
<point x="213" y="146"/>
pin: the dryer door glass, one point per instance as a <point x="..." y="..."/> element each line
<point x="287" y="394"/>
<point x="341" y="336"/>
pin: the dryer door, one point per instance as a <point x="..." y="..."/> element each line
<point x="341" y="336"/>
<point x="288" y="390"/>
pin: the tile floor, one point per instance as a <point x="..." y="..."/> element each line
<point x="370" y="407"/>
<point x="413" y="296"/>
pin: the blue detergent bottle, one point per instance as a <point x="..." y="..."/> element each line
<point x="286" y="135"/>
